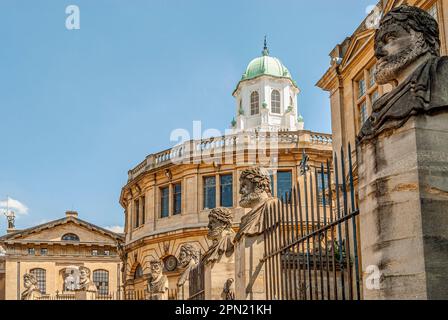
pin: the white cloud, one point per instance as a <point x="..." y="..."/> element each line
<point x="116" y="229"/>
<point x="14" y="205"/>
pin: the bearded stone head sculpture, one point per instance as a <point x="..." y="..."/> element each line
<point x="406" y="34"/>
<point x="31" y="291"/>
<point x="220" y="220"/>
<point x="255" y="186"/>
<point x="189" y="253"/>
<point x="156" y="267"/>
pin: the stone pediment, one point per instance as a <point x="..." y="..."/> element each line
<point x="358" y="42"/>
<point x="54" y="231"/>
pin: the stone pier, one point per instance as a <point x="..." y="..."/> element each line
<point x="250" y="270"/>
<point x="403" y="193"/>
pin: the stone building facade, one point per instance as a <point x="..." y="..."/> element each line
<point x="169" y="195"/>
<point x="49" y="251"/>
<point x="349" y="79"/>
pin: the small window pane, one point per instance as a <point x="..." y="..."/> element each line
<point x="275" y="101"/>
<point x="43" y="251"/>
<point x="226" y="185"/>
<point x="164" y="197"/>
<point x="137" y="212"/>
<point x="361" y="88"/>
<point x="41" y="277"/>
<point x="106" y="252"/>
<point x="31" y="251"/>
<point x="284" y="183"/>
<point x="363" y="113"/>
<point x="143" y="200"/>
<point x="434" y="12"/>
<point x="374" y="97"/>
<point x="177" y="199"/>
<point x="254" y="103"/>
<point x="209" y="192"/>
<point x="94" y="252"/>
<point x="372" y="77"/>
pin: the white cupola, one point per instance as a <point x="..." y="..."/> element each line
<point x="266" y="97"/>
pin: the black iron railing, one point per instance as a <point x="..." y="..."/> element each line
<point x="311" y="240"/>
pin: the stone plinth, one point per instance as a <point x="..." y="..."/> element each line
<point x="84" y="295"/>
<point x="216" y="275"/>
<point x="249" y="271"/>
<point x="403" y="201"/>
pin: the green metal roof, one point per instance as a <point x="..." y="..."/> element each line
<point x="266" y="66"/>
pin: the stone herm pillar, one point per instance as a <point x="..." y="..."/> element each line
<point x="188" y="259"/>
<point x="216" y="276"/>
<point x="402" y="164"/>
<point x="250" y="271"/>
<point x="256" y="195"/>
<point x="219" y="260"/>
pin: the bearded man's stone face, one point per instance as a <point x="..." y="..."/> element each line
<point x="249" y="193"/>
<point x="156" y="270"/>
<point x="215" y="228"/>
<point x="184" y="257"/>
<point x="396" y="49"/>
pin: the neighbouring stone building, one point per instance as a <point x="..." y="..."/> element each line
<point x="350" y="77"/>
<point x="52" y="250"/>
<point x="168" y="196"/>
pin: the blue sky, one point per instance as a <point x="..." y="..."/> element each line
<point x="79" y="108"/>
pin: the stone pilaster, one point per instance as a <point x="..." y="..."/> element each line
<point x="403" y="201"/>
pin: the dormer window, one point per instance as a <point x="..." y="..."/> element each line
<point x="70" y="237"/>
<point x="275" y="101"/>
<point x="254" y="103"/>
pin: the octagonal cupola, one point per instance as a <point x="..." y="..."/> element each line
<point x="266" y="97"/>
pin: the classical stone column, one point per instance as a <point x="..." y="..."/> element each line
<point x="403" y="164"/>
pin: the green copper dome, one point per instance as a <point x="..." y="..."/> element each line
<point x="266" y="65"/>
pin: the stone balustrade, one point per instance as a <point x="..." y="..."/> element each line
<point x="217" y="145"/>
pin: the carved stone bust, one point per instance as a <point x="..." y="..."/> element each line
<point x="85" y="283"/>
<point x="255" y="191"/>
<point x="31" y="291"/>
<point x="188" y="258"/>
<point x="221" y="233"/>
<point x="407" y="46"/>
<point x="158" y="282"/>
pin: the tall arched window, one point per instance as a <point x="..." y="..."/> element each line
<point x="138" y="272"/>
<point x="275" y="101"/>
<point x="41" y="277"/>
<point x="101" y="280"/>
<point x="254" y="103"/>
<point x="70" y="237"/>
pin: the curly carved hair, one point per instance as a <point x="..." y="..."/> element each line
<point x="222" y="214"/>
<point x="191" y="249"/>
<point x="87" y="270"/>
<point x="259" y="176"/>
<point x="413" y="18"/>
<point x="30" y="277"/>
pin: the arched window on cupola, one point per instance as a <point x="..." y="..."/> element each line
<point x="275" y="101"/>
<point x="254" y="103"/>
